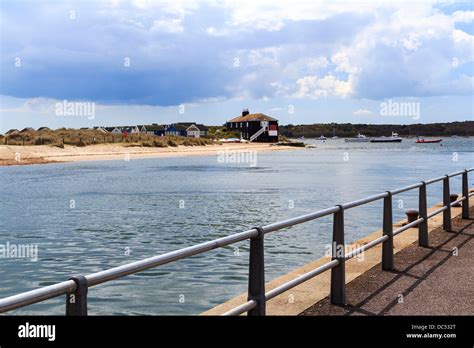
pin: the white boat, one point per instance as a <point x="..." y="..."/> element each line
<point x="322" y="137"/>
<point x="360" y="138"/>
<point x="394" y="138"/>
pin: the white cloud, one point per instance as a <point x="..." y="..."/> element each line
<point x="362" y="112"/>
<point x="274" y="15"/>
<point x="314" y="87"/>
<point x="463" y="16"/>
<point x="38" y="105"/>
<point x="341" y="60"/>
<point x="213" y="31"/>
<point x="168" y="25"/>
<point x="311" y="49"/>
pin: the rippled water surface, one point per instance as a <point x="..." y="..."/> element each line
<point x="125" y="211"/>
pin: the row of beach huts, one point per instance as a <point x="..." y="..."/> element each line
<point x="252" y="127"/>
<point x="186" y="129"/>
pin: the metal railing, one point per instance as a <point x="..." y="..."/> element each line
<point x="75" y="288"/>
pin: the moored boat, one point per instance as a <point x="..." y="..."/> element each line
<point x="394" y="138"/>
<point x="360" y="138"/>
<point x="322" y="137"/>
<point x="425" y="141"/>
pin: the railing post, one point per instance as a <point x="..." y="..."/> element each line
<point x="465" y="193"/>
<point x="446" y="203"/>
<point x="256" y="289"/>
<point x="387" y="246"/>
<point x="338" y="273"/>
<point x="423" y="211"/>
<point x="76" y="302"/>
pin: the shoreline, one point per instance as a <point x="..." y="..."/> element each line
<point x="14" y="155"/>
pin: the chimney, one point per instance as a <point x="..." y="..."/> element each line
<point x="245" y="112"/>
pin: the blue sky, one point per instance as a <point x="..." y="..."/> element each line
<point x="170" y="61"/>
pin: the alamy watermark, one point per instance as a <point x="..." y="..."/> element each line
<point x="404" y="109"/>
<point x="66" y="108"/>
<point x="238" y="157"/>
<point x="19" y="251"/>
<point x="340" y="251"/>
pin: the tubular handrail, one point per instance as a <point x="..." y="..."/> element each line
<point x="408" y="226"/>
<point x="255" y="305"/>
<point x="406" y="188"/>
<point x="245" y="307"/>
<point x="436" y="212"/>
<point x="301" y="279"/>
<point x="367" y="246"/>
<point x="300" y="219"/>
<point x="366" y="200"/>
<point x="431" y="181"/>
<point x="138" y="266"/>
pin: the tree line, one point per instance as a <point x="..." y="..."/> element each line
<point x="465" y="128"/>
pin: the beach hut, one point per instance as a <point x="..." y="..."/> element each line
<point x="12" y="131"/>
<point x="153" y="129"/>
<point x="193" y="131"/>
<point x="203" y="130"/>
<point x="187" y="129"/>
<point x="177" y="129"/>
<point x="113" y="130"/>
<point x="100" y="129"/>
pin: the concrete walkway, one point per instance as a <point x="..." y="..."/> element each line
<point x="438" y="280"/>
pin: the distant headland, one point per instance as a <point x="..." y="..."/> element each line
<point x="464" y="128"/>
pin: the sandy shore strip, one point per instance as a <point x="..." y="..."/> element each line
<point x="41" y="154"/>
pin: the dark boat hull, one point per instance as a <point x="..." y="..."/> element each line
<point x="385" y="140"/>
<point x="428" y="141"/>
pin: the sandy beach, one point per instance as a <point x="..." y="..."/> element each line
<point x="26" y="155"/>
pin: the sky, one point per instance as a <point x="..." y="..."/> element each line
<point x="302" y="62"/>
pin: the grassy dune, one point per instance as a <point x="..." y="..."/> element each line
<point x="79" y="137"/>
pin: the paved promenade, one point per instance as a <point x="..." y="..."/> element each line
<point x="438" y="280"/>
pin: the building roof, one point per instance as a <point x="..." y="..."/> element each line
<point x="128" y="129"/>
<point x="192" y="126"/>
<point x="202" y="127"/>
<point x="101" y="129"/>
<point x="185" y="124"/>
<point x="13" y="130"/>
<point x="154" y="127"/>
<point x="27" y="129"/>
<point x="253" y="117"/>
<point x="179" y="126"/>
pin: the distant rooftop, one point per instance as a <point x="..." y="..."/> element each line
<point x="253" y="117"/>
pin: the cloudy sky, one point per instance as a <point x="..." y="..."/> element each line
<point x="299" y="61"/>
